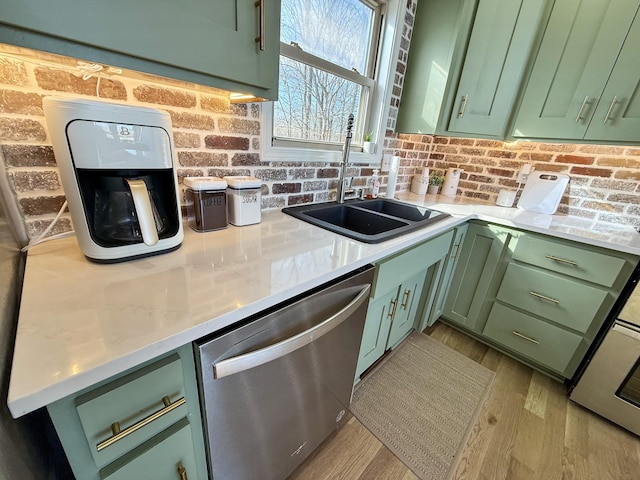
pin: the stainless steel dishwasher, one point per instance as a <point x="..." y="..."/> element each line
<point x="276" y="386"/>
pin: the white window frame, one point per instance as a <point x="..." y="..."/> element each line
<point x="376" y="121"/>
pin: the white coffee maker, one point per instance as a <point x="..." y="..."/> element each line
<point x="117" y="171"/>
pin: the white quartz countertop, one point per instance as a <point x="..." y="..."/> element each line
<point x="81" y="322"/>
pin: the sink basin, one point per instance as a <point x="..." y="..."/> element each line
<point x="369" y="221"/>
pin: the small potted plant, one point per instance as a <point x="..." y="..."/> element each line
<point x="368" y="145"/>
<point x="435" y="180"/>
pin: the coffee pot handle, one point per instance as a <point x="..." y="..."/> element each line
<point x="142" y="204"/>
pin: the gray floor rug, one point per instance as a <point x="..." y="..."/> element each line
<point x="421" y="402"/>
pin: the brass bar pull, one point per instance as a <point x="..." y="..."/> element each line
<point x="168" y="407"/>
<point x="392" y="307"/>
<point x="457" y="247"/>
<point x="182" y="472"/>
<point x="562" y="260"/>
<point x="524" y="337"/>
<point x="544" y="297"/>
<point x="405" y="300"/>
<point x="584" y="104"/>
<point x="613" y="104"/>
<point x="260" y="38"/>
<point x="463" y="106"/>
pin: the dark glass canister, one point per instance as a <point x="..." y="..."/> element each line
<point x="206" y="203"/>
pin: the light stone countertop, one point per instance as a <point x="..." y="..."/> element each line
<point x="81" y="322"/>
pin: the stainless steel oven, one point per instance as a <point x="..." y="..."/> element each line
<point x="610" y="384"/>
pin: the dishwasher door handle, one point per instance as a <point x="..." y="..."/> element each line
<point x="243" y="362"/>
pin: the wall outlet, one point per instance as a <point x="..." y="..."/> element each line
<point x="524" y="172"/>
<point x="385" y="165"/>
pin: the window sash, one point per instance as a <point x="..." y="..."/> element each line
<point x="388" y="27"/>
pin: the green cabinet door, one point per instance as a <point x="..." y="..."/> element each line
<point x="442" y="288"/>
<point x="501" y="41"/>
<point x="441" y="27"/>
<point x="579" y="48"/>
<point x="477" y="275"/>
<point x="617" y="117"/>
<point x="208" y="42"/>
<point x="404" y="315"/>
<point x="376" y="330"/>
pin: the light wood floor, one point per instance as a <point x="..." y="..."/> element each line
<point x="528" y="430"/>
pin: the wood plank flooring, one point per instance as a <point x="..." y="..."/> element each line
<point x="528" y="430"/>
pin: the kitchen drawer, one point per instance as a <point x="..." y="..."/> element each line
<point x="559" y="299"/>
<point x="129" y="400"/>
<point x="573" y="260"/>
<point x="390" y="272"/>
<point x="164" y="457"/>
<point x="542" y="342"/>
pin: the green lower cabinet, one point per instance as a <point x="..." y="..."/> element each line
<point x="167" y="456"/>
<point x="404" y="312"/>
<point x="545" y="344"/>
<point x="475" y="277"/>
<point x="564" y="301"/>
<point x="376" y="330"/>
<point x="405" y="287"/>
<point x="441" y="284"/>
<point x="535" y="297"/>
<point x="144" y="423"/>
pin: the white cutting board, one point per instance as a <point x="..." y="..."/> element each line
<point x="543" y="191"/>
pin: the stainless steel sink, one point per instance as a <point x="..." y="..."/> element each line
<point x="369" y="221"/>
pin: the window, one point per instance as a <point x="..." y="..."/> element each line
<point x="328" y="55"/>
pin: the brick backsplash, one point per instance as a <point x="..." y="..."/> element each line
<point x="213" y="137"/>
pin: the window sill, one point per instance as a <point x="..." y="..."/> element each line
<point x="291" y="154"/>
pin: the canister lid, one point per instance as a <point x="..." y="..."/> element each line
<point x="241" y="181"/>
<point x="205" y="183"/>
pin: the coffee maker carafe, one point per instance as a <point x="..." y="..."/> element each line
<point x="116" y="166"/>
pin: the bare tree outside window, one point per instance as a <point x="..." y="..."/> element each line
<point x="332" y="40"/>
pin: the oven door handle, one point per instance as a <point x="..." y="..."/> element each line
<point x="627" y="330"/>
<point x="243" y="362"/>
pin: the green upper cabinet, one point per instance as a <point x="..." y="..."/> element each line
<point x="501" y="40"/>
<point x="215" y="43"/>
<point x="617" y="117"/>
<point x="583" y="83"/>
<point x="466" y="63"/>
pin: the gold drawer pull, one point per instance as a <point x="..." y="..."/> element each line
<point x="119" y="435"/>
<point x="529" y="339"/>
<point x="182" y="472"/>
<point x="562" y="260"/>
<point x="544" y="297"/>
<point x="392" y="308"/>
<point x="405" y="301"/>
<point x="259" y="4"/>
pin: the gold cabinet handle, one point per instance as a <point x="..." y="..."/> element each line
<point x="455" y="257"/>
<point x="562" y="260"/>
<point x="524" y="337"/>
<point x="584" y="104"/>
<point x="544" y="297"/>
<point x="613" y="104"/>
<point x="182" y="472"/>
<point x="260" y="38"/>
<point x="392" y="307"/>
<point x="120" y="434"/>
<point x="405" y="300"/>
<point x="463" y="106"/>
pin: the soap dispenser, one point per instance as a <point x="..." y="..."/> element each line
<point x="374" y="184"/>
